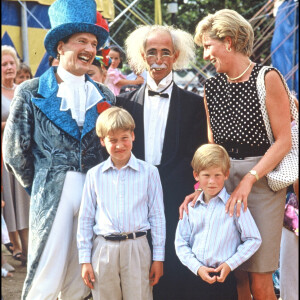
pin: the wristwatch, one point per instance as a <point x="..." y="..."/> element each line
<point x="254" y="173"/>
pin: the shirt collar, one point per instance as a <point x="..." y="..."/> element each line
<point x="223" y="195"/>
<point x="69" y="77"/>
<point x="132" y="163"/>
<point x="163" y="83"/>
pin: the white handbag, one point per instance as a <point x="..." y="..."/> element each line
<point x="286" y="172"/>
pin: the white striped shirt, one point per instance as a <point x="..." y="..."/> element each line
<point x="121" y="201"/>
<point x="207" y="236"/>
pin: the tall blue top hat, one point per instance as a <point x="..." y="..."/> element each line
<point x="73" y="16"/>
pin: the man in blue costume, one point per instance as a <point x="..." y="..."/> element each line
<point x="50" y="143"/>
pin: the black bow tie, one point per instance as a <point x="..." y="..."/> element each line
<point x="163" y="95"/>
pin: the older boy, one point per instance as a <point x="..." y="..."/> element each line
<point x="208" y="241"/>
<point x="122" y="199"/>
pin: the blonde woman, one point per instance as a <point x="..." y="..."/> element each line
<point x="235" y="121"/>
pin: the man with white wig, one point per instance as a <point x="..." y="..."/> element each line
<point x="170" y="125"/>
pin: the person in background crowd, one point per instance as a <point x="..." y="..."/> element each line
<point x="50" y="143"/>
<point x="17" y="200"/>
<point x="170" y="125"/>
<point x="289" y="248"/>
<point x="23" y="73"/>
<point x="6" y="268"/>
<point x="115" y="79"/>
<point x="100" y="65"/>
<point x="236" y="122"/>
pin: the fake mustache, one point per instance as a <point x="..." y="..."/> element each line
<point x="156" y="66"/>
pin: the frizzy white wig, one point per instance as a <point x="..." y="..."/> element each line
<point x="136" y="42"/>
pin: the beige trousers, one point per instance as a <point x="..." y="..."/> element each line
<point x="121" y="269"/>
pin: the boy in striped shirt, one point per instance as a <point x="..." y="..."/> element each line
<point x="208" y="241"/>
<point x="122" y="199"/>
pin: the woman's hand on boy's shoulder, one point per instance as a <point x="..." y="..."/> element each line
<point x="156" y="271"/>
<point x="184" y="206"/>
<point x="239" y="197"/>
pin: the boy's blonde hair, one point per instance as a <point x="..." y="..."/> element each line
<point x="223" y="23"/>
<point x="112" y="119"/>
<point x="211" y="155"/>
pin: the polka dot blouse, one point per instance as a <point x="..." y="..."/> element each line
<point x="235" y="116"/>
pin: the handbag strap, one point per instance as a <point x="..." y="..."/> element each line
<point x="261" y="92"/>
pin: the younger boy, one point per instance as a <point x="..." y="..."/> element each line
<point x="208" y="241"/>
<point x="122" y="199"/>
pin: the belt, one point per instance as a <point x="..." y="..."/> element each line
<point x="242" y="151"/>
<point x="124" y="236"/>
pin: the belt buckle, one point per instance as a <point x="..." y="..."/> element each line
<point x="124" y="235"/>
<point x="234" y="150"/>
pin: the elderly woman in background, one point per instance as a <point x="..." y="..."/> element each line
<point x="235" y="121"/>
<point x="16" y="209"/>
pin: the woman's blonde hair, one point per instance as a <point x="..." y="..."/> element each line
<point x="136" y="42"/>
<point x="227" y="23"/>
<point x="9" y="50"/>
<point x="211" y="155"/>
<point x="112" y="119"/>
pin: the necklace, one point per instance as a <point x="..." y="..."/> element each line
<point x="235" y="78"/>
<point x="7" y="88"/>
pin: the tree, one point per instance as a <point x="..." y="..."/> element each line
<point x="190" y="12"/>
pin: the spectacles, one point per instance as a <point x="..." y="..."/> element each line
<point x="154" y="55"/>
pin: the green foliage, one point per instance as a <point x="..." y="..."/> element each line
<point x="188" y="16"/>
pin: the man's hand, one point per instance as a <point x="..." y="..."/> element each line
<point x="87" y="275"/>
<point x="224" y="270"/>
<point x="156" y="271"/>
<point x="184" y="206"/>
<point x="203" y="272"/>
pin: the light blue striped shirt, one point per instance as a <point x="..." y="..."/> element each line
<point x="207" y="236"/>
<point x="121" y="201"/>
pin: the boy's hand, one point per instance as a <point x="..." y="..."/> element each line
<point x="156" y="271"/>
<point x="203" y="272"/>
<point x="224" y="270"/>
<point x="87" y="275"/>
<point x="184" y="206"/>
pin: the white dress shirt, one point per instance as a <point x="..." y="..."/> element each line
<point x="207" y="236"/>
<point x="156" y="111"/>
<point x="121" y="201"/>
